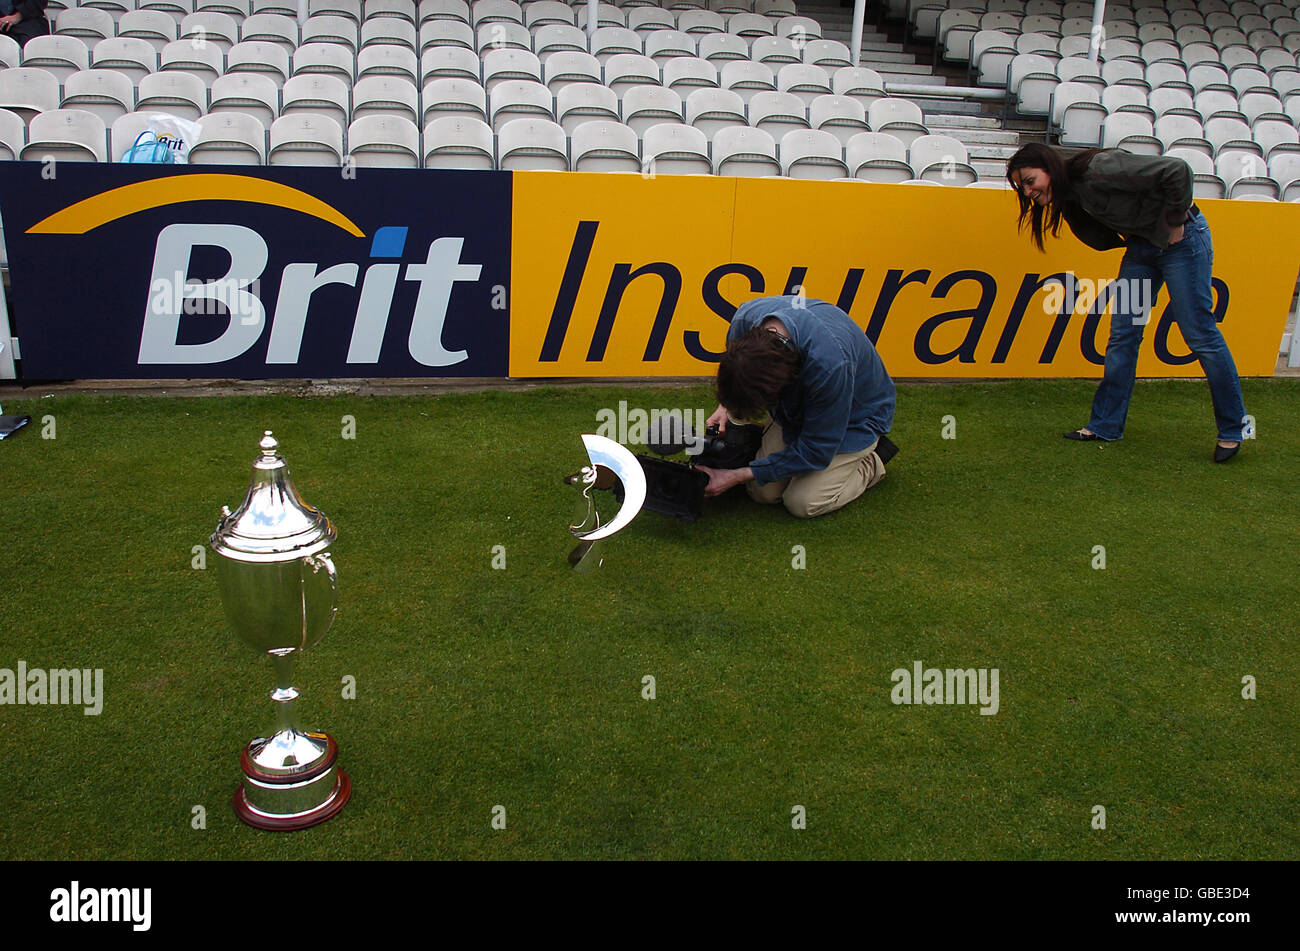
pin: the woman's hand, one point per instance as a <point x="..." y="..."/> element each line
<point x="1175" y="235"/>
<point x="12" y="20"/>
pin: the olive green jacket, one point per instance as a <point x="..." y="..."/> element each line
<point x="1122" y="194"/>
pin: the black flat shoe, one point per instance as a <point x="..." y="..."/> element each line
<point x="1080" y="436"/>
<point x="1224" y="453"/>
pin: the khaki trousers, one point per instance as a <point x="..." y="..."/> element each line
<point x="816" y="493"/>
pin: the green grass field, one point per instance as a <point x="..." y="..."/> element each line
<point x="522" y="687"/>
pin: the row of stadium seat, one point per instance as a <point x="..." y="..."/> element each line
<point x="1206" y="88"/>
<point x="1078" y="111"/>
<point x="928" y="19"/>
<point x="92" y="23"/>
<point x="1280" y="76"/>
<point x="1242" y="174"/>
<point x="523" y="143"/>
<point x="1137" y="133"/>
<point x="478" y="11"/>
<point x="62" y="56"/>
<point x="29" y="90"/>
<point x="991" y="56"/>
<point x="1150" y="51"/>
<point x="957" y="29"/>
<point x="637" y="106"/>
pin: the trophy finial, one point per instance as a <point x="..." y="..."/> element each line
<point x="269" y="444"/>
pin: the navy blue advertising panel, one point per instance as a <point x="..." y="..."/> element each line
<point x="137" y="271"/>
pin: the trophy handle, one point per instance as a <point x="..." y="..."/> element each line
<point x="319" y="621"/>
<point x="323" y="560"/>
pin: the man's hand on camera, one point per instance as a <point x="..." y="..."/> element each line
<point x="720" y="480"/>
<point x="719" y="419"/>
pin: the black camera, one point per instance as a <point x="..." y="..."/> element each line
<point x="676" y="488"/>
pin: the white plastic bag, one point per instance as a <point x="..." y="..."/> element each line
<point x="177" y="133"/>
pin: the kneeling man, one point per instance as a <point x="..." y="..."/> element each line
<point x="812" y="368"/>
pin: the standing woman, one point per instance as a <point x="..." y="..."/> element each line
<point x="1111" y="198"/>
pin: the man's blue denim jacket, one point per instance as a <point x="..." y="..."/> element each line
<point x="843" y="399"/>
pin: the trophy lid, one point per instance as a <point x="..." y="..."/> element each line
<point x="274" y="523"/>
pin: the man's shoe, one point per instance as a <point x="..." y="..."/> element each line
<point x="1224" y="453"/>
<point x="886" y="450"/>
<point x="1082" y="435"/>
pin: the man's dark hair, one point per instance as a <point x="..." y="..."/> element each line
<point x="1063" y="168"/>
<point x="754" y="371"/>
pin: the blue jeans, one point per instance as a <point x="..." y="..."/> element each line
<point x="1185" y="269"/>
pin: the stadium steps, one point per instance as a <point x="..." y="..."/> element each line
<point x="977" y="124"/>
<point x="877" y="52"/>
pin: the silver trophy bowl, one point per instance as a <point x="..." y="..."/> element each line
<point x="279" y="589"/>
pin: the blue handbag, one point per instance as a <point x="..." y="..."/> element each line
<point x="153" y="152"/>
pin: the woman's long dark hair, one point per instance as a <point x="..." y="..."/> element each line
<point x="1063" y="169"/>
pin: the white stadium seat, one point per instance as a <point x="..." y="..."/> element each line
<point x="743" y="151"/>
<point x="60" y="56"/>
<point x="459" y="142"/>
<point x="229" y="138"/>
<point x="13" y="135"/>
<point x="645" y="106"/>
<point x="685" y="74"/>
<point x="27" y="91"/>
<point x="67" y="135"/>
<point x="603" y="146"/>
<point x="444" y="97"/>
<point x="204" y="61"/>
<point x="712" y="110"/>
<point x="387" y="96"/>
<point x="582" y="102"/>
<point x="253" y="94"/>
<point x="104" y="92"/>
<point x="900" y="118"/>
<point x="384" y="141"/>
<point x="388" y="59"/>
<point x="153" y="26"/>
<point x="518" y="99"/>
<point x="812" y="154"/>
<point x="131" y="55"/>
<point x="673" y="149"/>
<point x="532" y="143"/>
<point x="176" y="93"/>
<point x="842" y="116"/>
<point x="625" y="70"/>
<point x="329" y="58"/>
<point x="805" y="80"/>
<point x="877" y="157"/>
<point x="305" y="138"/>
<point x="210" y="27"/>
<point x="721" y="48"/>
<point x="942" y="159"/>
<point x="566" y="67"/>
<point x="663" y="45"/>
<point x="317" y="94"/>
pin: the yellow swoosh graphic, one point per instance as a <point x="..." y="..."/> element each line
<point x="128" y="199"/>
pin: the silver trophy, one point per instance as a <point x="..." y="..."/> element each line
<point x="280" y="592"/>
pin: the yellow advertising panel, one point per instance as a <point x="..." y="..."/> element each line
<point x="624" y="275"/>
